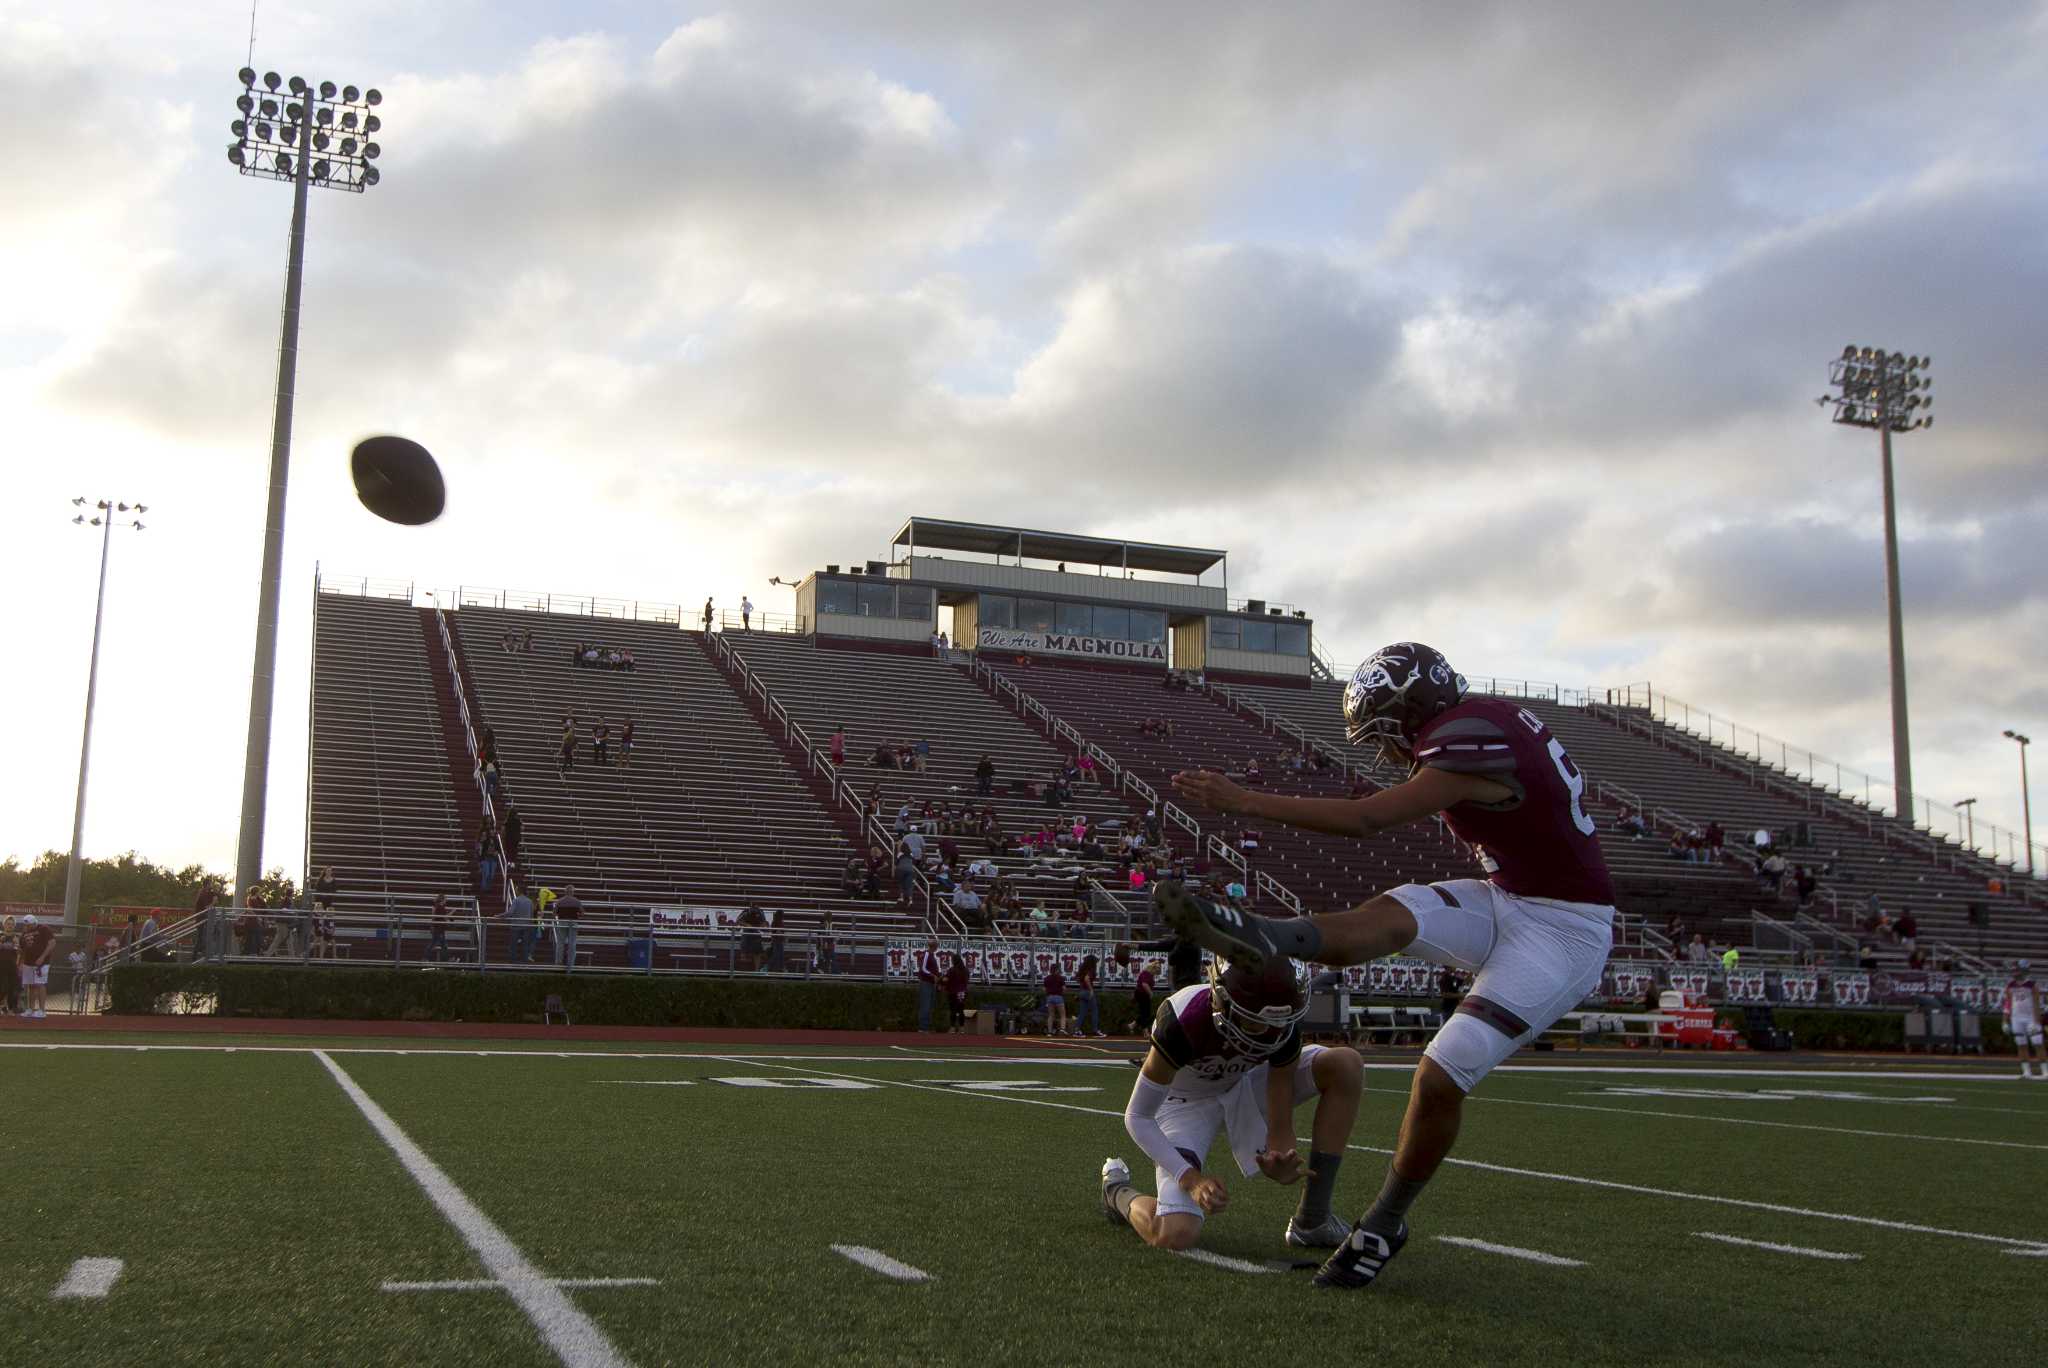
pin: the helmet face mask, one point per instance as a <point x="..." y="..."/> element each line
<point x="1255" y="1013"/>
<point x="1395" y="694"/>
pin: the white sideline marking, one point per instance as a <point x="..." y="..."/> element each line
<point x="881" y="1263"/>
<point x="831" y="1084"/>
<point x="2041" y="1253"/>
<point x="573" y="1336"/>
<point x="1783" y="1248"/>
<point x="1222" y="1261"/>
<point x="1068" y="1061"/>
<point x="1910" y="1227"/>
<point x="1755" y="1121"/>
<point x="1532" y="1255"/>
<point x="1030" y="1085"/>
<point x="647" y="1082"/>
<point x="88" y="1278"/>
<point x="491" y="1284"/>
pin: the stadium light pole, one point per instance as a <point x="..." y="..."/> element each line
<point x="2026" y="798"/>
<point x="308" y="136"/>
<point x="1889" y="392"/>
<point x="109" y="513"/>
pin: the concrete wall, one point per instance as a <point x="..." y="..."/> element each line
<point x="875" y="629"/>
<point x="1254" y="662"/>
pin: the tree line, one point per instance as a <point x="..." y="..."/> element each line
<point x="127" y="880"/>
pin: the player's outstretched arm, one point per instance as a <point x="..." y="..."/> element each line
<point x="1429" y="792"/>
<point x="1141" y="1115"/>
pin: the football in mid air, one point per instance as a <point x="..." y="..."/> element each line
<point x="396" y="479"/>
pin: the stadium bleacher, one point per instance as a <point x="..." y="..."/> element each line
<point x="381" y="809"/>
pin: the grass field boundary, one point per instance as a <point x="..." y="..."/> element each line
<point x="1606" y="1184"/>
<point x="574" y="1337"/>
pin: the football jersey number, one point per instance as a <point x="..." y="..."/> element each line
<point x="1574" y="781"/>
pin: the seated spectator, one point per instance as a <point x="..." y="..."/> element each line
<point x="626" y="661"/>
<point x="949" y="850"/>
<point x="1866" y="957"/>
<point x="1716" y="838"/>
<point x="1137" y="878"/>
<point x="1041" y="920"/>
<point x="1632" y="822"/>
<point x="1907" y="929"/>
<point x="1917" y="959"/>
<point x="853" y="877"/>
<point x="967" y="902"/>
<point x="526" y="643"/>
<point x="1676" y="849"/>
<point x="884" y="756"/>
<point x="1674" y="930"/>
<point x="1252" y="773"/>
<point x="906" y="756"/>
<point x="985" y="776"/>
<point x="928" y="818"/>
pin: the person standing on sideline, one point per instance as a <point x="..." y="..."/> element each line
<point x="10" y="970"/>
<point x="37" y="941"/>
<point x="927" y="981"/>
<point x="746" y="613"/>
<point x="519" y="916"/>
<point x="568" y="918"/>
<point x="1055" y="1002"/>
<point x="956" y="992"/>
<point x="1087" y="1010"/>
<point x="1141" y="998"/>
<point x="1729" y="959"/>
<point x="828" y="946"/>
<point x="2021" y="1003"/>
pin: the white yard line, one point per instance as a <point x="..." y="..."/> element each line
<point x="881" y="1263"/>
<point x="1532" y="1255"/>
<point x="1639" y="1189"/>
<point x="1041" y="1061"/>
<point x="491" y="1284"/>
<point x="1754" y="1121"/>
<point x="1222" y="1261"/>
<point x="2041" y="1253"/>
<point x="573" y="1336"/>
<point x="1780" y="1248"/>
<point x="88" y="1279"/>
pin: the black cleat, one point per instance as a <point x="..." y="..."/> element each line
<point x="1239" y="937"/>
<point x="1359" y="1259"/>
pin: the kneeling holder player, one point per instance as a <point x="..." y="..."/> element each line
<point x="1229" y="1054"/>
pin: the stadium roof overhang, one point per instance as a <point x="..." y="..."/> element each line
<point x="940" y="534"/>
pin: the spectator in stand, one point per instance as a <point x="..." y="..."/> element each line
<point x="1866" y="957"/>
<point x="1088" y="1010"/>
<point x="1804" y="886"/>
<point x="883" y="756"/>
<point x="852" y="877"/>
<point x="1697" y="952"/>
<point x="778" y="948"/>
<point x="923" y="753"/>
<point x="600" y="743"/>
<point x="1056" y="1002"/>
<point x="985" y="777"/>
<point x="437" y="938"/>
<point x="913" y="841"/>
<point x="927" y="981"/>
<point x="1907" y="929"/>
<point x="486" y="856"/>
<point x="519" y="917"/>
<point x="1774" y="872"/>
<point x="707" y="615"/>
<point x="1674" y="930"/>
<point x="1041" y="920"/>
<point x="566" y="760"/>
<point x="1730" y="958"/>
<point x="1676" y="849"/>
<point x="967" y="903"/>
<point x="1917" y="960"/>
<point x="751" y="921"/>
<point x="1084" y="764"/>
<point x="838" y="744"/>
<point x="906" y="872"/>
<point x="746" y="613"/>
<point x="828" y="945"/>
<point x="324" y="890"/>
<point x="874" y="872"/>
<point x="1762" y="840"/>
<point x="515" y="832"/>
<point x="568" y="920"/>
<point x="35" y="942"/>
<point x="1716" y="839"/>
<point x="544" y="903"/>
<point x="956" y="992"/>
<point x="626" y="744"/>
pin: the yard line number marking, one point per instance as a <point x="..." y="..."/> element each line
<point x="1532" y="1255"/>
<point x="1222" y="1261"/>
<point x="573" y="1336"/>
<point x="1780" y="1248"/>
<point x="881" y="1263"/>
<point x="88" y="1279"/>
<point x="1608" y="1184"/>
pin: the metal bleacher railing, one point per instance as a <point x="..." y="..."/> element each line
<point x="1940" y="831"/>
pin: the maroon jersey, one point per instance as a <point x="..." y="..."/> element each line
<point x="1538" y="842"/>
<point x="1204" y="1063"/>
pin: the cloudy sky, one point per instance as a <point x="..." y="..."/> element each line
<point x="1490" y="324"/>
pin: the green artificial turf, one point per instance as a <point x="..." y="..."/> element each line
<point x="259" y="1214"/>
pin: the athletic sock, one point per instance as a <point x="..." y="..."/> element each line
<point x="1121" y="1196"/>
<point x="1315" y="1195"/>
<point x="1295" y="937"/>
<point x="1391" y="1208"/>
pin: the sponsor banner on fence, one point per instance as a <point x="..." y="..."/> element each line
<point x="1066" y="643"/>
<point x="1692" y="980"/>
<point x="1628" y="982"/>
<point x="1746" y="985"/>
<point x="1850" y="990"/>
<point x="695" y="918"/>
<point x="1799" y="989"/>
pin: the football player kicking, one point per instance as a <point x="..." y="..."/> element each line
<point x="1228" y="1053"/>
<point x="1535" y="934"/>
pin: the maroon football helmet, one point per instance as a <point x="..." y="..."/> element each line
<point x="1397" y="693"/>
<point x="1254" y="1010"/>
